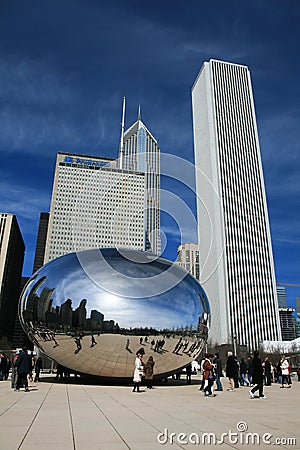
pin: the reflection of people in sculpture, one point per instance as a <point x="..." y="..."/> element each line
<point x="178" y="346"/>
<point x="138" y="372"/>
<point x="159" y="345"/>
<point x="203" y="324"/>
<point x="78" y="344"/>
<point x="148" y="369"/>
<point x="192" y="348"/>
<point x="141" y="351"/>
<point x="93" y="341"/>
<point x="53" y="338"/>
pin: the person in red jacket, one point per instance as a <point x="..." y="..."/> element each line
<point x="209" y="377"/>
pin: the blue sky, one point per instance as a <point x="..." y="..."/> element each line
<point x="65" y="66"/>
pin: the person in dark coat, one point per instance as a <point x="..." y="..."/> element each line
<point x="268" y="372"/>
<point x="249" y="369"/>
<point x="3" y="364"/>
<point x="24" y="366"/>
<point x="14" y="370"/>
<point x="231" y="370"/>
<point x="243" y="372"/>
<point x="37" y="368"/>
<point x="257" y="376"/>
<point x="188" y="371"/>
<point x="218" y="372"/>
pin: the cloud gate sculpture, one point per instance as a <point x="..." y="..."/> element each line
<point x="91" y="311"/>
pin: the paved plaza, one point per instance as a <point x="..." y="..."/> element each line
<point x="60" y="416"/>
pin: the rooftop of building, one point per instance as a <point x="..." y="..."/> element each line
<point x="86" y="156"/>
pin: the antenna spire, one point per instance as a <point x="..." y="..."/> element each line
<point x="122" y="134"/>
<point x="139" y="113"/>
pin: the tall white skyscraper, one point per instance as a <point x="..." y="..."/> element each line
<point x="236" y="260"/>
<point x="139" y="151"/>
<point x="94" y="204"/>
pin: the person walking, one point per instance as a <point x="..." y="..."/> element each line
<point x="249" y="369"/>
<point x="202" y="372"/>
<point x="218" y="371"/>
<point x="24" y="365"/>
<point x="257" y="376"/>
<point x="148" y="369"/>
<point x="37" y="368"/>
<point x="268" y="372"/>
<point x="243" y="371"/>
<point x="284" y="366"/>
<point x="138" y="372"/>
<point x="209" y="376"/>
<point x="188" y="371"/>
<point x="14" y="370"/>
<point x="3" y="364"/>
<point x="231" y="370"/>
<point x="93" y="341"/>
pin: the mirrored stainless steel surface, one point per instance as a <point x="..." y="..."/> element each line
<point x="92" y="311"/>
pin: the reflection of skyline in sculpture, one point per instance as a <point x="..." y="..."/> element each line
<point x="137" y="314"/>
<point x="62" y="307"/>
<point x="41" y="311"/>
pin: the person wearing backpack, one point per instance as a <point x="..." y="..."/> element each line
<point x="24" y="365"/>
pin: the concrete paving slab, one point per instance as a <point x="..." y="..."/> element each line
<point x="174" y="415"/>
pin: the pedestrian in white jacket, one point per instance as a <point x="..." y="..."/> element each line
<point x="285" y="372"/>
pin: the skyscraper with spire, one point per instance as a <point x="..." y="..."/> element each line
<point x="103" y="202"/>
<point x="139" y="152"/>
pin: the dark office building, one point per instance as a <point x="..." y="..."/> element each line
<point x="287" y="324"/>
<point x="12" y="249"/>
<point x="20" y="339"/>
<point x="41" y="241"/>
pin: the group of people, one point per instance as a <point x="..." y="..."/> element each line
<point x="21" y="365"/>
<point x="211" y="368"/>
<point x="143" y="370"/>
<point x="252" y="372"/>
<point x="254" y="367"/>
